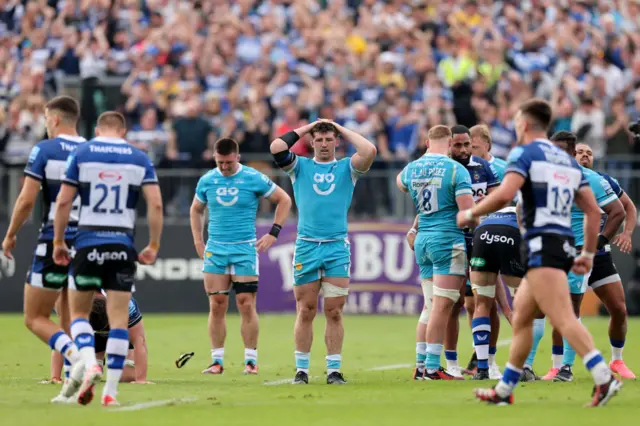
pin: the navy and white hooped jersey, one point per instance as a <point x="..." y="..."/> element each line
<point x="47" y="164"/>
<point x="506" y="217"/>
<point x="483" y="176"/>
<point x="615" y="185"/>
<point x="552" y="178"/>
<point x="109" y="174"/>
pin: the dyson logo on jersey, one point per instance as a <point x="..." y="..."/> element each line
<point x="101" y="257"/>
<point x="109" y="176"/>
<point x="227" y="192"/>
<point x="320" y="178"/>
<point x="490" y="239"/>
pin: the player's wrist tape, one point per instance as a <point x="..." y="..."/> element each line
<point x="588" y="255"/>
<point x="468" y="214"/>
<point x="412" y="231"/>
<point x="275" y="230"/>
<point x="58" y="243"/>
<point x="602" y="241"/>
<point x="290" y="138"/>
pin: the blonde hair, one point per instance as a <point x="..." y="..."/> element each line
<point x="481" y="130"/>
<point x="439" y="132"/>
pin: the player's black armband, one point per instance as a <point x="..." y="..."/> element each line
<point x="275" y="230"/>
<point x="284" y="158"/>
<point x="290" y="138"/>
<point x="602" y="241"/>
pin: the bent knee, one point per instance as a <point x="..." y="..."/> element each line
<point x="618" y="311"/>
<point x="333" y="314"/>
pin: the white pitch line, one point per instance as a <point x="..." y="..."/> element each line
<point x="505" y="342"/>
<point x="153" y="404"/>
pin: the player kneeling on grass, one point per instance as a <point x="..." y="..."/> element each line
<point x="135" y="370"/>
<point x="232" y="193"/>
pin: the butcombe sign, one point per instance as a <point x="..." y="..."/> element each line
<point x="384" y="276"/>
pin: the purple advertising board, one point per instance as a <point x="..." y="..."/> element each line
<point x="384" y="275"/>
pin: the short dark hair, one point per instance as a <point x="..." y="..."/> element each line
<point x="565" y="140"/>
<point x="459" y="129"/>
<point x="66" y="107"/>
<point x="323" y="127"/>
<point x="226" y="146"/>
<point x="538" y="112"/>
<point x="112" y="120"/>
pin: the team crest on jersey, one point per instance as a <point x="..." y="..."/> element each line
<point x="298" y="266"/>
<point x="223" y="195"/>
<point x="321" y="180"/>
<point x="476" y="176"/>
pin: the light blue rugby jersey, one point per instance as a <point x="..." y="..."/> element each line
<point x="499" y="166"/>
<point x="434" y="181"/>
<point x="604" y="195"/>
<point x="323" y="193"/>
<point x="233" y="203"/>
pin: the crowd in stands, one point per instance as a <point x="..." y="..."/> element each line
<point x="197" y="70"/>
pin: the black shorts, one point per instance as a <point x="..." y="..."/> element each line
<point x="109" y="266"/>
<point x="101" y="342"/>
<point x="548" y="251"/>
<point x="44" y="273"/>
<point x="496" y="250"/>
<point x="604" y="271"/>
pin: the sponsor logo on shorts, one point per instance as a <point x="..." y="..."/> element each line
<point x="569" y="249"/>
<point x="478" y="261"/>
<point x="82" y="280"/>
<point x="52" y="277"/>
<point x="101" y="257"/>
<point x="490" y="238"/>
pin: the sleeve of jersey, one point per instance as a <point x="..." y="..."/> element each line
<point x="355" y="173"/>
<point x="72" y="173"/>
<point x="265" y="186"/>
<point x="201" y="193"/>
<point x="150" y="176"/>
<point x="404" y="177"/>
<point x="603" y="192"/>
<point x="518" y="162"/>
<point x="494" y="179"/>
<point x="617" y="189"/>
<point x="36" y="164"/>
<point x="292" y="171"/>
<point x="462" y="182"/>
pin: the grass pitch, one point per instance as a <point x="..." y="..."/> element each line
<point x="377" y="362"/>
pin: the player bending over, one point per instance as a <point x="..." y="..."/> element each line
<point x="45" y="279"/>
<point x="439" y="187"/>
<point x="232" y="193"/>
<point x="323" y="189"/>
<point x="549" y="180"/>
<point x="109" y="174"/>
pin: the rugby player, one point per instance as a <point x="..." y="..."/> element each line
<point x="323" y="189"/>
<point x="484" y="179"/>
<point x="231" y="192"/>
<point x="439" y="187"/>
<point x="109" y="175"/>
<point x="135" y="370"/>
<point x="604" y="278"/>
<point x="550" y="181"/>
<point x="44" y="171"/>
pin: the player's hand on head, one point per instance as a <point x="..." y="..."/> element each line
<point x="8" y="244"/>
<point x="265" y="242"/>
<point x="582" y="265"/>
<point x="148" y="256"/>
<point x="623" y="241"/>
<point x="61" y="255"/>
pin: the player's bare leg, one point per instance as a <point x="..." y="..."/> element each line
<point x="306" y="307"/>
<point x="217" y="287"/>
<point x="484" y="288"/>
<point x="446" y="292"/>
<point x="452" y="335"/>
<point x="246" y="288"/>
<point x="334" y="292"/>
<point x="421" y="329"/>
<point x="612" y="296"/>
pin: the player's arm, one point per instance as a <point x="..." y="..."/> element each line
<point x="623" y="239"/>
<point x="501" y="298"/>
<point x="615" y="217"/>
<point x="400" y="183"/>
<point x="365" y="151"/>
<point x="280" y="147"/>
<point x="586" y="201"/>
<point x="21" y="211"/>
<point x="64" y="202"/>
<point x="153" y="198"/>
<point x="281" y="199"/>
<point x="196" y="217"/>
<point x="495" y="201"/>
<point x="140" y="352"/>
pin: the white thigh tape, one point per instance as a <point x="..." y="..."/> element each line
<point x="330" y="290"/>
<point x="485" y="290"/>
<point x="449" y="294"/>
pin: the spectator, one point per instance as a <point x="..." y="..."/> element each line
<point x="149" y="136"/>
<point x="588" y="125"/>
<point x="619" y="142"/>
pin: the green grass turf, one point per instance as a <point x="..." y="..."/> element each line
<point x="371" y="398"/>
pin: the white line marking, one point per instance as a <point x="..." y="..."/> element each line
<point x="504" y="342"/>
<point x="152" y="404"/>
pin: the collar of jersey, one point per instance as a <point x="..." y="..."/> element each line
<point x="237" y="171"/>
<point x="435" y="154"/>
<point x="324" y="162"/>
<point x="493" y="158"/>
<point x="72" y="138"/>
<point x="544" y="141"/>
<point x="108" y="139"/>
<point x="471" y="162"/>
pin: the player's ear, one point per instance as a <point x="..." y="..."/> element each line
<point x="97" y="131"/>
<point x="122" y="132"/>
